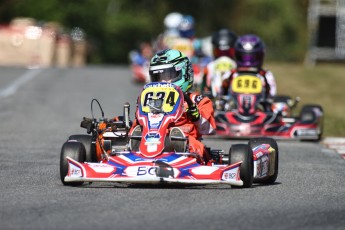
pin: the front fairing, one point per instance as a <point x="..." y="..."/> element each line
<point x="159" y="106"/>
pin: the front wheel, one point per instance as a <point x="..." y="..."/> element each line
<point x="90" y="149"/>
<point x="74" y="150"/>
<point x="255" y="142"/>
<point x="242" y="152"/>
<point x="313" y="114"/>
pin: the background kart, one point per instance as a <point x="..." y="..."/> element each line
<point x="156" y="152"/>
<point x="247" y="114"/>
<point x="140" y="73"/>
<point x="139" y="66"/>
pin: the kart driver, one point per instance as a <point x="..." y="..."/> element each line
<point x="223" y="42"/>
<point x="249" y="56"/>
<point x="198" y="118"/>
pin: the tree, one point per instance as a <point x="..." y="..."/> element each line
<point x="114" y="27"/>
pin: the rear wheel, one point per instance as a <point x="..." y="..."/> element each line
<point x="86" y="140"/>
<point x="309" y="113"/>
<point x="74" y="150"/>
<point x="242" y="152"/>
<point x="313" y="114"/>
<point x="253" y="143"/>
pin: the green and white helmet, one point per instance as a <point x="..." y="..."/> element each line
<point x="172" y="66"/>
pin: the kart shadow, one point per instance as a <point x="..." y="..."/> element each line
<point x="153" y="186"/>
<point x="266" y="185"/>
<point x="169" y="186"/>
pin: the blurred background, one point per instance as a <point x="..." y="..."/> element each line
<point x="305" y="39"/>
<point x="73" y="33"/>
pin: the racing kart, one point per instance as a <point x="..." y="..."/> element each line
<point x="248" y="113"/>
<point x="157" y="152"/>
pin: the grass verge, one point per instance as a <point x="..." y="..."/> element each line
<point x="323" y="84"/>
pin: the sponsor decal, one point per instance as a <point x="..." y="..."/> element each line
<point x="264" y="165"/>
<point x="258" y="168"/>
<point x="144" y="170"/>
<point x="141" y="171"/>
<point x="155" y="119"/>
<point x="101" y="168"/>
<point x="152" y="138"/>
<point x="198" y="98"/>
<point x="149" y="171"/>
<point x="160" y="85"/>
<point x="230" y="174"/>
<point x="259" y="154"/>
<point x="306" y="132"/>
<point x="74" y="171"/>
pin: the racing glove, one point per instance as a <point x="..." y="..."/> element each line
<point x="193" y="113"/>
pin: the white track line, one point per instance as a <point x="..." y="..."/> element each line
<point x="13" y="87"/>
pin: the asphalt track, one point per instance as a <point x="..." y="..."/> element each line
<point x="40" y="108"/>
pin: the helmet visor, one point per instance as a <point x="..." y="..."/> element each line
<point x="248" y="60"/>
<point x="165" y="74"/>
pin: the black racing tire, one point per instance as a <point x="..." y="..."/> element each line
<point x="308" y="115"/>
<point x="90" y="149"/>
<point x="242" y="152"/>
<point x="266" y="140"/>
<point x="74" y="150"/>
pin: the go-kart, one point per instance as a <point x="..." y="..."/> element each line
<point x="246" y="112"/>
<point x="157" y="152"/>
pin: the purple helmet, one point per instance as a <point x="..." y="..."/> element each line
<point x="249" y="51"/>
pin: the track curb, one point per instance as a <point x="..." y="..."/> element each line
<point x="335" y="143"/>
